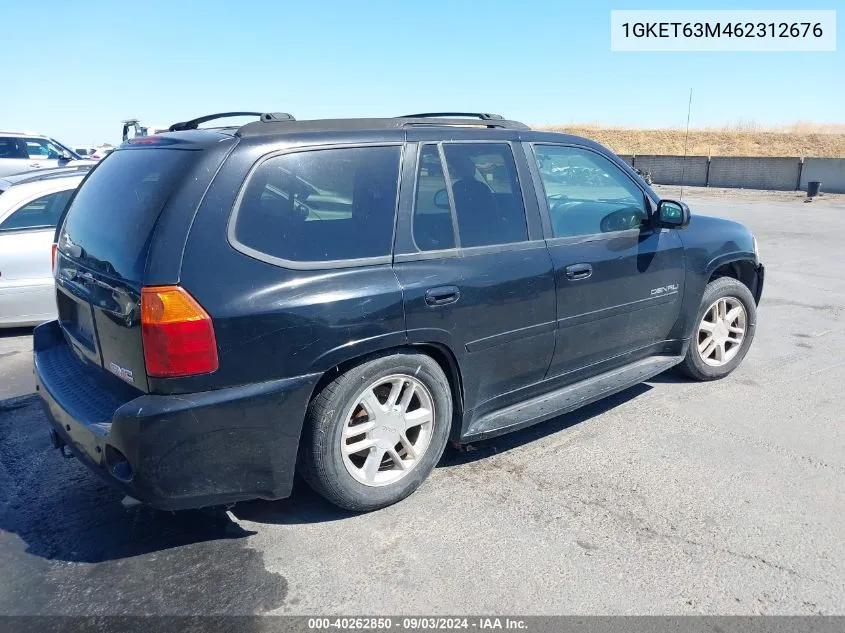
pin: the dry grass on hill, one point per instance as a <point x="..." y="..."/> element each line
<point x="744" y="139"/>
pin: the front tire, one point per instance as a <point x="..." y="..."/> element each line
<point x="374" y="433"/>
<point x="725" y="325"/>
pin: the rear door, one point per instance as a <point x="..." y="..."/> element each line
<point x="619" y="280"/>
<point x="102" y="255"/>
<point x="473" y="267"/>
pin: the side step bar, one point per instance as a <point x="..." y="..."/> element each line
<point x="567" y="399"/>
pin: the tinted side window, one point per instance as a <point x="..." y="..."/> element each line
<point x="433" y="228"/>
<point x="488" y="201"/>
<point x="321" y="205"/>
<point x="9" y="148"/>
<point x="41" y="213"/>
<point x="587" y="193"/>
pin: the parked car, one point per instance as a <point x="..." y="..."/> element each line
<point x="101" y="152"/>
<point x="21" y="152"/>
<point x="84" y="152"/>
<point x="30" y="207"/>
<point x="344" y="296"/>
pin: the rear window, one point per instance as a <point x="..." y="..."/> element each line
<point x="41" y="213"/>
<point x="320" y="205"/>
<point x="111" y="219"/>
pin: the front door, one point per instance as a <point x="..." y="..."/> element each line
<point x="42" y="153"/>
<point x="474" y="270"/>
<point x="619" y="279"/>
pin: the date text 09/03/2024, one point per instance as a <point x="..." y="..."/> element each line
<point x="416" y="623"/>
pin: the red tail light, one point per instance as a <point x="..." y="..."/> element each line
<point x="178" y="334"/>
<point x="53" y="258"/>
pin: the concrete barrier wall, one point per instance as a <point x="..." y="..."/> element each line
<point x="747" y="172"/>
<point x="675" y="170"/>
<point x="754" y="173"/>
<point x="829" y="171"/>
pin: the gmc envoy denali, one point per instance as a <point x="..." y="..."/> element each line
<point x="343" y="297"/>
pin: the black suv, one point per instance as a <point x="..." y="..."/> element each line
<point x="342" y="297"/>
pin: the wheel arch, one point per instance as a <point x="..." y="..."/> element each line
<point x="440" y="353"/>
<point x="742" y="267"/>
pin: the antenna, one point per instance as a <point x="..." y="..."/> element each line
<point x="686" y="136"/>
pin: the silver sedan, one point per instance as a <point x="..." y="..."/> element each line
<point x="30" y="207"/>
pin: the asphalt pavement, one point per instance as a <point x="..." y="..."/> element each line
<point x="672" y="497"/>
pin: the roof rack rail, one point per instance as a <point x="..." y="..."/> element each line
<point x="193" y="124"/>
<point x="484" y="116"/>
<point x="453" y="118"/>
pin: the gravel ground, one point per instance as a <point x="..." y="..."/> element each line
<point x="670" y="498"/>
<point x="749" y="195"/>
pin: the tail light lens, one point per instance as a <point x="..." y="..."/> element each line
<point x="178" y="334"/>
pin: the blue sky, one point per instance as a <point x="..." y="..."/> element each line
<point x="81" y="67"/>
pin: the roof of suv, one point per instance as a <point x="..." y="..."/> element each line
<point x="274" y="125"/>
<point x="265" y="128"/>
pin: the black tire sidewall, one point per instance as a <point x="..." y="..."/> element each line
<point x="717" y="289"/>
<point x="333" y="480"/>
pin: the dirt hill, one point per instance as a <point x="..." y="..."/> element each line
<point x="798" y="139"/>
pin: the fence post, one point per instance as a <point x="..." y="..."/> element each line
<point x="707" y="174"/>
<point x="800" y="171"/>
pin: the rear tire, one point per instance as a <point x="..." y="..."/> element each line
<point x="374" y="433"/>
<point x="724" y="329"/>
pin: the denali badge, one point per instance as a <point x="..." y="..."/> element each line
<point x="120" y="372"/>
<point x="664" y="289"/>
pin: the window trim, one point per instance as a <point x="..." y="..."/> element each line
<point x="458" y="250"/>
<point x="452" y="251"/>
<point x="25" y="202"/>
<point x="543" y="201"/>
<point x="317" y="265"/>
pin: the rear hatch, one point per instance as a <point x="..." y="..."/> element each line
<point x="102" y="255"/>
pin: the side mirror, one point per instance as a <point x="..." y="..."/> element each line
<point x="65" y="156"/>
<point x="673" y="214"/>
<point x="441" y="199"/>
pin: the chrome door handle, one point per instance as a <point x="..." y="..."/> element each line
<point x="442" y="296"/>
<point x="578" y="271"/>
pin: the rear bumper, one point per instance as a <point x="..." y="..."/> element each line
<point x="183" y="451"/>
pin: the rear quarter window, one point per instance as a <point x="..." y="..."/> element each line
<point x="316" y="206"/>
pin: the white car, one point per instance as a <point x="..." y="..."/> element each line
<point x="31" y="205"/>
<point x="23" y="151"/>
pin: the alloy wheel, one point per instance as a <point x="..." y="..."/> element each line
<point x="721" y="331"/>
<point x="387" y="430"/>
